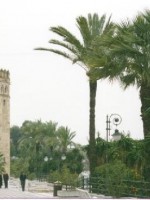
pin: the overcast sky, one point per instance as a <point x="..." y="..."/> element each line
<point x="47" y="86"/>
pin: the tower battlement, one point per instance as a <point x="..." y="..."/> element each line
<point x="4" y="74"/>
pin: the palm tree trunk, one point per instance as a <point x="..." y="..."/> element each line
<point x="145" y="101"/>
<point x="92" y="153"/>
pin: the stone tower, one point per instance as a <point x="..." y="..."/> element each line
<point x="5" y="118"/>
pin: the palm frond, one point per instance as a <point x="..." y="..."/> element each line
<point x="87" y="53"/>
<point x="67" y="36"/>
<point x="65" y="45"/>
<point x="146" y="15"/>
<point x="64" y="54"/>
<point x="84" y="30"/>
<point x="97" y="25"/>
<point x="128" y="80"/>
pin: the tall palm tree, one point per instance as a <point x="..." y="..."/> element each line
<point x="130" y="53"/>
<point x="82" y="53"/>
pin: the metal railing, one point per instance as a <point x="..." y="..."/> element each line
<point x="126" y="188"/>
<point x="109" y="187"/>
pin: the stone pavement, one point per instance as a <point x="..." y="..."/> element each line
<point x="42" y="190"/>
<point x="14" y="191"/>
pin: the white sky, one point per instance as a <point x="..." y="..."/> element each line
<point x="47" y="86"/>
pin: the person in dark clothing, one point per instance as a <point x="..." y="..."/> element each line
<point x="6" y="178"/>
<point x="1" y="180"/>
<point x="23" y="180"/>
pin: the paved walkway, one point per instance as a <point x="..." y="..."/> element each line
<point x="40" y="190"/>
<point x="14" y="191"/>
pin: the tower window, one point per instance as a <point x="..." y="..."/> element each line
<point x="2" y="89"/>
<point x="6" y="89"/>
<point x="4" y="102"/>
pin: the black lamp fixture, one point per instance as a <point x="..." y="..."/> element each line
<point x="116" y="120"/>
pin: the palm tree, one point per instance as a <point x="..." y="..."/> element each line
<point x="65" y="137"/>
<point x="129" y="51"/>
<point x="130" y="55"/>
<point x="83" y="54"/>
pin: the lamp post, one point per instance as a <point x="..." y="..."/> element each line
<point x="62" y="158"/>
<point x="46" y="160"/>
<point x="116" y="136"/>
<point x="116" y="120"/>
<point x="37" y="150"/>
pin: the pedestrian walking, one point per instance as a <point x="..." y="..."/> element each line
<point x="6" y="178"/>
<point x="23" y="180"/>
<point x="1" y="180"/>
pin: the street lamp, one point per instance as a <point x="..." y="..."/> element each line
<point x="46" y="159"/>
<point x="14" y="157"/>
<point x="63" y="157"/>
<point x="116" y="136"/>
<point x="116" y="120"/>
<point x="60" y="160"/>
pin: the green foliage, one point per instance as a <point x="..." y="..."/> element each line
<point x="64" y="176"/>
<point x="18" y="166"/>
<point x="74" y="160"/>
<point x="37" y="140"/>
<point x="15" y="135"/>
<point x="134" y="154"/>
<point x="130" y="49"/>
<point x="65" y="137"/>
<point x="32" y="176"/>
<point x="114" y="174"/>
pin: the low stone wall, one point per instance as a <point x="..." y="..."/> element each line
<point x="83" y="194"/>
<point x="35" y="186"/>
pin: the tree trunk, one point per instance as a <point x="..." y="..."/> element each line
<point x="92" y="153"/>
<point x="145" y="101"/>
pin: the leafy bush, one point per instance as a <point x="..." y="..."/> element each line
<point x="64" y="176"/>
<point x="31" y="176"/>
<point x="113" y="176"/>
<point x="17" y="166"/>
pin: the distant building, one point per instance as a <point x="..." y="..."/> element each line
<point x="5" y="118"/>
